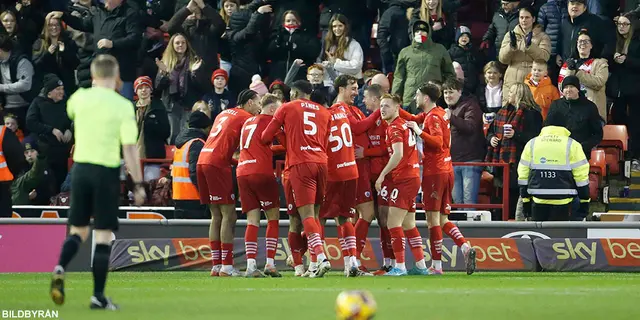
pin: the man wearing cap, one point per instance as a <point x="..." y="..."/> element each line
<point x="419" y="63"/>
<point x="189" y="143"/>
<point x="504" y="20"/>
<point x="34" y="185"/>
<point x="47" y="118"/>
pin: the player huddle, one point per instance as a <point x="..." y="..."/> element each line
<point x="339" y="165"/>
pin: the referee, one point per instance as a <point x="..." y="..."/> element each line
<point x="103" y="121"/>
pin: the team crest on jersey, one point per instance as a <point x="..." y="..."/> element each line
<point x="378" y="122"/>
<point x="290" y="207"/>
<point x="434" y="195"/>
<point x="233" y="196"/>
<point x="367" y="194"/>
<point x="437" y="125"/>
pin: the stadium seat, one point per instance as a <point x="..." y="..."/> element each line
<point x="485" y="127"/>
<point x="486" y="187"/>
<point x="614" y="143"/>
<point x="597" y="172"/>
<point x="170" y="150"/>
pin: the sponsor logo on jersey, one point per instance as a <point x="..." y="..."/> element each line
<point x="247" y="162"/>
<point x="310" y="148"/>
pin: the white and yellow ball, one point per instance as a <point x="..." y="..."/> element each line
<point x="355" y="305"/>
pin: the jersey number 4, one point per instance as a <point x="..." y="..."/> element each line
<point x="251" y="128"/>
<point x="345" y="139"/>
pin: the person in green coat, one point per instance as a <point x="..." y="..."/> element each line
<point x="422" y="61"/>
<point x="24" y="189"/>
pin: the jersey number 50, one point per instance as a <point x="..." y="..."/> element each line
<point x="345" y="139"/>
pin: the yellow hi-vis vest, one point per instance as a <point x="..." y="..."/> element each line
<point x="183" y="187"/>
<point x="5" y="173"/>
<point x="553" y="168"/>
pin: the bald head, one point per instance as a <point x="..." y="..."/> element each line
<point x="381" y="80"/>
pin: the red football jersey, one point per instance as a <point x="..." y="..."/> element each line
<point x="306" y="128"/>
<point x="342" y="158"/>
<point x="377" y="140"/>
<point x="224" y="138"/>
<point x="409" y="167"/>
<point x="255" y="157"/>
<point x="436" y="161"/>
<point x="362" y="139"/>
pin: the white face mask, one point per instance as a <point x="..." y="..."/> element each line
<point x="419" y="38"/>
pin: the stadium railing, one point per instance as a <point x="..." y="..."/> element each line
<point x="504" y="206"/>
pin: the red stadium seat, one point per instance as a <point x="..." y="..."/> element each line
<point x="614" y="142"/>
<point x="170" y="150"/>
<point x="486" y="185"/>
<point x="597" y="172"/>
<point x="485" y="127"/>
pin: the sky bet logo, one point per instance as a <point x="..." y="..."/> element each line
<point x="617" y="252"/>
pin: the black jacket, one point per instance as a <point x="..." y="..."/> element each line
<point x="156" y="129"/>
<point x="44" y="115"/>
<point x="84" y="42"/>
<point x="285" y="47"/>
<point x="194" y="151"/>
<point x="391" y="32"/>
<point x="203" y="35"/>
<point x="551" y="16"/>
<point x="597" y="31"/>
<point x="121" y="25"/>
<point x="500" y="24"/>
<point x="471" y="62"/>
<point x="625" y="77"/>
<point x="584" y="121"/>
<point x="355" y="11"/>
<point x="61" y="63"/>
<point x="13" y="152"/>
<point x="246" y="46"/>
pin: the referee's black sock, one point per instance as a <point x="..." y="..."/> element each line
<point x="100" y="268"/>
<point x="69" y="249"/>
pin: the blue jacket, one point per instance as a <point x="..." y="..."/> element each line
<point x="550" y="18"/>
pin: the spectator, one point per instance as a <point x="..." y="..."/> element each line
<point x="55" y="52"/>
<point x="354" y="15"/>
<point x="153" y="126"/>
<point x="48" y="120"/>
<point x="368" y="77"/>
<point x="441" y="21"/>
<point x="578" y="20"/>
<point x="463" y="53"/>
<point x="11" y="122"/>
<point x="280" y="90"/>
<point x="33" y="186"/>
<point x="288" y="43"/>
<point x="246" y="46"/>
<point x="203" y="107"/>
<point x="584" y="123"/>
<point x="550" y="17"/>
<point x="22" y="34"/>
<point x="543" y="91"/>
<point x="506" y="143"/>
<point x="258" y="85"/>
<point x="504" y="20"/>
<point x="392" y="29"/>
<point x="116" y="31"/>
<point x="341" y="52"/>
<point x="315" y="76"/>
<point x="593" y="73"/>
<point x="307" y="9"/>
<point x="419" y="63"/>
<point x="202" y="26"/>
<point x="220" y="99"/>
<point x="11" y="161"/>
<point x="180" y="80"/>
<point x="467" y="141"/>
<point x="625" y="77"/>
<point x="228" y="7"/>
<point x="490" y="95"/>
<point x="16" y="87"/>
<point x="189" y="144"/>
<point x="84" y="42"/>
<point x="527" y="42"/>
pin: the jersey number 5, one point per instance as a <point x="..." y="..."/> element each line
<point x="345" y="139"/>
<point x="251" y="128"/>
<point x="219" y="127"/>
<point x="309" y="123"/>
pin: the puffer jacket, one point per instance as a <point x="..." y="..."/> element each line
<point x="391" y="32"/>
<point x="501" y="24"/>
<point x="625" y="77"/>
<point x="598" y="31"/>
<point x="419" y="63"/>
<point x="84" y="41"/>
<point x="245" y="46"/>
<point x="550" y="18"/>
<point x="286" y="47"/>
<point x="521" y="58"/>
<point x="471" y="62"/>
<point x="584" y="122"/>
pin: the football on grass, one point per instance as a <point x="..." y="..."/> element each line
<point x="355" y="305"/>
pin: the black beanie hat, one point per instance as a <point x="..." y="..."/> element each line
<point x="571" y="81"/>
<point x="50" y="82"/>
<point x="199" y="120"/>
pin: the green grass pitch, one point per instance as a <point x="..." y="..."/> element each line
<point x="454" y="296"/>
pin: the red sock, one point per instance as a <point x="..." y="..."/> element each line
<point x="227" y="254"/>
<point x="271" y="238"/>
<point x="454" y="233"/>
<point x="313" y="235"/>
<point x="215" y="252"/>
<point x="362" y="229"/>
<point x="251" y="241"/>
<point x="385" y="243"/>
<point x="321" y="228"/>
<point x="304" y="247"/>
<point x="435" y="237"/>
<point x="397" y="237"/>
<point x="295" y="243"/>
<point x="349" y="234"/>
<point x="343" y="244"/>
<point x="415" y="242"/>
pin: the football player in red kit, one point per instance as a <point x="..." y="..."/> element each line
<point x="437" y="178"/>
<point x="306" y="128"/>
<point x="399" y="183"/>
<point x="258" y="187"/>
<point x="215" y="181"/>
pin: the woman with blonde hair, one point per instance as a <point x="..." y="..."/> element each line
<point x="515" y="124"/>
<point x="23" y="32"/>
<point x="440" y="18"/>
<point x="181" y="81"/>
<point x="340" y="51"/>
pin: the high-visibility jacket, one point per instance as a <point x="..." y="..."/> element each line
<point x="553" y="169"/>
<point x="183" y="187"/>
<point x="5" y="173"/>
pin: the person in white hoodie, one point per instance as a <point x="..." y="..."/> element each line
<point x="341" y="52"/>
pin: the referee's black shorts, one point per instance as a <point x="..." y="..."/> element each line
<point x="95" y="192"/>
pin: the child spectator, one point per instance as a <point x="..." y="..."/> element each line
<point x="221" y="98"/>
<point x="258" y="86"/>
<point x="490" y="94"/>
<point x="464" y="54"/>
<point x="11" y="122"/>
<point x="544" y="92"/>
<point x="280" y="90"/>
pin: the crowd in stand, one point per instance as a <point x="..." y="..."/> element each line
<point x="182" y="56"/>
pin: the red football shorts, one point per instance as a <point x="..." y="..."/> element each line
<point x="364" y="193"/>
<point x="258" y="191"/>
<point x="339" y="199"/>
<point x="380" y="200"/>
<point x="308" y="181"/>
<point x="436" y="192"/>
<point x="215" y="185"/>
<point x="288" y="193"/>
<point x="401" y="194"/>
